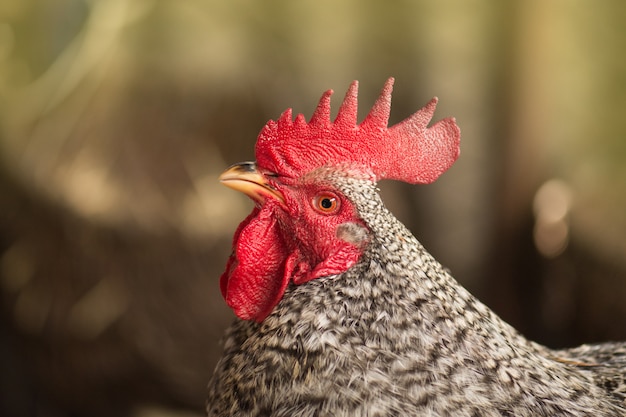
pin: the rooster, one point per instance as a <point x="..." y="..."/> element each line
<point x="344" y="313"/>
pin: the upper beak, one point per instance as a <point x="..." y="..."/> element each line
<point x="245" y="177"/>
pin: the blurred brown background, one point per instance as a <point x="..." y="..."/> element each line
<point x="117" y="116"/>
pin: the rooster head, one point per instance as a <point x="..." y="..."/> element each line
<point x="303" y="227"/>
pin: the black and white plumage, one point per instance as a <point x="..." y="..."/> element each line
<point x="395" y="334"/>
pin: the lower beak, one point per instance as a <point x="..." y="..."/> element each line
<point x="246" y="178"/>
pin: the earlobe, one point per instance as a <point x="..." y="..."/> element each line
<point x="353" y="233"/>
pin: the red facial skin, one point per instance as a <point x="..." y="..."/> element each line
<point x="293" y="241"/>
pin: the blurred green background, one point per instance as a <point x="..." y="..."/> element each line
<point x="117" y="116"/>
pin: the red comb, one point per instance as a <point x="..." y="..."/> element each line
<point x="409" y="151"/>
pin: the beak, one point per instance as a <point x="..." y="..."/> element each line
<point x="245" y="177"/>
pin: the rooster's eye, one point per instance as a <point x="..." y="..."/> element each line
<point x="326" y="203"/>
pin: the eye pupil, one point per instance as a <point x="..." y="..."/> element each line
<point x="327" y="203"/>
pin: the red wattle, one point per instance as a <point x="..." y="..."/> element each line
<point x="255" y="280"/>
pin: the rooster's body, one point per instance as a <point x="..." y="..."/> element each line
<point x="381" y="329"/>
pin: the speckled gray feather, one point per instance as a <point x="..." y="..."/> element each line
<point x="397" y="335"/>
